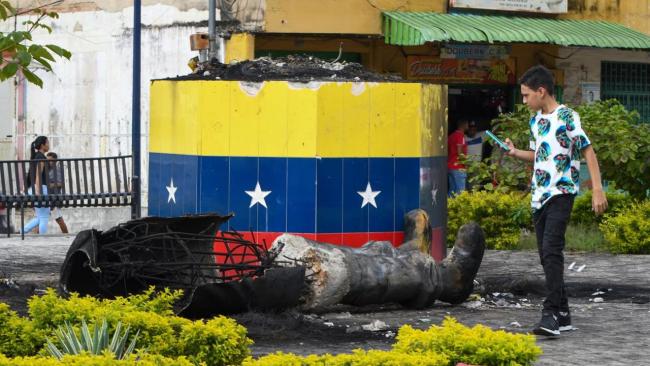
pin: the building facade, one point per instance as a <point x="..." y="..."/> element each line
<point x="84" y="106"/>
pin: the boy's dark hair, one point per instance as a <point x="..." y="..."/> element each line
<point x="52" y="155"/>
<point x="539" y="77"/>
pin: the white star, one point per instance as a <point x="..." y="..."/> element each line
<point x="257" y="196"/>
<point x="369" y="196"/>
<point x="172" y="192"/>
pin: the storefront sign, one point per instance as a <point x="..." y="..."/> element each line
<point x="534" y="6"/>
<point x="477" y="52"/>
<point x="464" y="71"/>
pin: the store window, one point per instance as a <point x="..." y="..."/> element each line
<point x="628" y="82"/>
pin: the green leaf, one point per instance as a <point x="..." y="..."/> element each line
<point x="21" y="36"/>
<point x="132" y="345"/>
<point x="18" y="37"/>
<point x="32" y="78"/>
<point x="36" y="25"/>
<point x="72" y="339"/>
<point x="6" y="43"/>
<point x="43" y="62"/>
<point x="59" y="51"/>
<point x="40" y="51"/>
<point x="24" y="58"/>
<point x="86" y="338"/>
<point x="9" y="70"/>
<point x="53" y="350"/>
<point x="60" y="333"/>
<point x="97" y="338"/>
<point x="116" y="336"/>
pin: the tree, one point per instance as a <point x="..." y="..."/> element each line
<point x="19" y="52"/>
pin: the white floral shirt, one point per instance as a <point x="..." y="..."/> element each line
<point x="557" y="139"/>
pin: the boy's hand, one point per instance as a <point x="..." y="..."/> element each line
<point x="511" y="146"/>
<point x="598" y="202"/>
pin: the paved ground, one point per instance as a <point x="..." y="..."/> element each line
<point x="612" y="332"/>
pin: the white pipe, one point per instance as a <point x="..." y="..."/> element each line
<point x="212" y="30"/>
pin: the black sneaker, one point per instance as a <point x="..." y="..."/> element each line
<point x="564" y="321"/>
<point x="548" y="326"/>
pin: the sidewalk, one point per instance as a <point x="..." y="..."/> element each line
<point x="612" y="332"/>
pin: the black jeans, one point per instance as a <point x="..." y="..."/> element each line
<point x="550" y="226"/>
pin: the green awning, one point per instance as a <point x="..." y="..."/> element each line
<point x="417" y="28"/>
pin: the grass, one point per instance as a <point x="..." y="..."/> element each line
<point x="579" y="238"/>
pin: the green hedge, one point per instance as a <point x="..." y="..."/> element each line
<point x="445" y="345"/>
<point x="219" y="341"/>
<point x="582" y="209"/>
<point x="501" y="216"/>
<point x="478" y="345"/>
<point x="628" y="232"/>
<point x="357" y="358"/>
<point x="103" y="360"/>
<point x="169" y="340"/>
<point x="18" y="336"/>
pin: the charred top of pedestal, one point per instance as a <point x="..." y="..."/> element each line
<point x="299" y="68"/>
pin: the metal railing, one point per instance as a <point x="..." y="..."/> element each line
<point x="76" y="182"/>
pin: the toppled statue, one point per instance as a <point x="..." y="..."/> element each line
<point x="379" y="273"/>
<point x="221" y="272"/>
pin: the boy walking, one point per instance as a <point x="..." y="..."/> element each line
<point x="557" y="142"/>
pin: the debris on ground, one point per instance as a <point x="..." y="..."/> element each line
<point x="499" y="300"/>
<point x="473" y="304"/>
<point x="353" y="329"/>
<point x="8" y="283"/>
<point x="572" y="267"/>
<point x="375" y="326"/>
<point x="300" y="68"/>
<point x="342" y="315"/>
<point x="310" y="317"/>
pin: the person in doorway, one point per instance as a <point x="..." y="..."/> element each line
<point x="557" y="142"/>
<point x="36" y="183"/>
<point x="56" y="185"/>
<point x="474" y="139"/>
<point x="457" y="147"/>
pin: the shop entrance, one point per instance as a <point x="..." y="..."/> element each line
<point x="478" y="103"/>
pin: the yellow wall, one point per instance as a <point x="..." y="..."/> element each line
<point x="631" y="13"/>
<point x="240" y="47"/>
<point x="284" y="119"/>
<point x="364" y="16"/>
<point x="527" y="55"/>
<point x="338" y="16"/>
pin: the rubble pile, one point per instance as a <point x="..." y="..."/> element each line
<point x="298" y="68"/>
